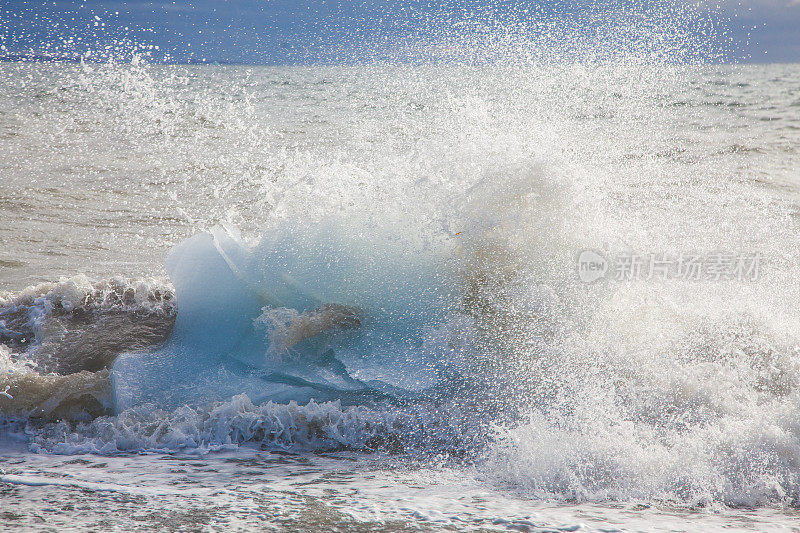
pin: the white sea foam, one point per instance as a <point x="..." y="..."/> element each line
<point x="226" y="425"/>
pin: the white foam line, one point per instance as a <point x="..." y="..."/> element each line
<point x="32" y="481"/>
<point x="43" y="482"/>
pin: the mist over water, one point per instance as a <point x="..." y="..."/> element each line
<point x="493" y="154"/>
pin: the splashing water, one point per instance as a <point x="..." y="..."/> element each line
<point x="487" y="174"/>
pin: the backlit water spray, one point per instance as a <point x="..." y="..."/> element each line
<point x="447" y="187"/>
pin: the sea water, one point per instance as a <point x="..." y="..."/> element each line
<point x="498" y="389"/>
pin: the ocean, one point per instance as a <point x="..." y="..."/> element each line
<point x="564" y="296"/>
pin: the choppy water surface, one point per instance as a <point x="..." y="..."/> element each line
<point x="529" y="400"/>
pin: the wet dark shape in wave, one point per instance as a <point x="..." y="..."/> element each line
<point x="61" y="339"/>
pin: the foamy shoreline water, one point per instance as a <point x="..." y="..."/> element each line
<point x="278" y="491"/>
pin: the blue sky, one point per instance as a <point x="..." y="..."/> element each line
<point x="282" y="31"/>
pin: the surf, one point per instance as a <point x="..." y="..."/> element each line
<point x="236" y="300"/>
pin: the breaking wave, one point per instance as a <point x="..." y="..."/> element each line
<point x="443" y="207"/>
